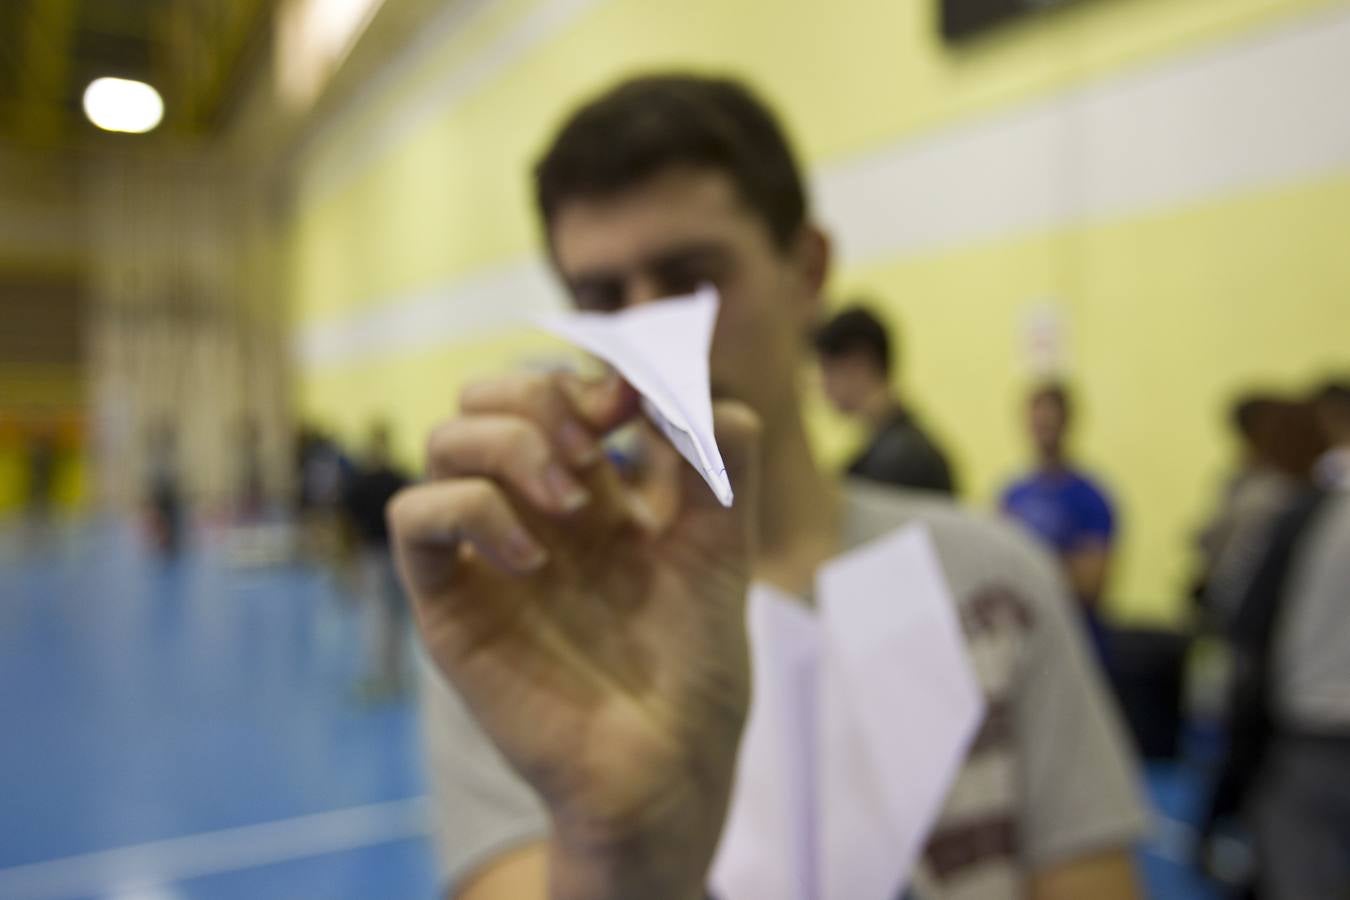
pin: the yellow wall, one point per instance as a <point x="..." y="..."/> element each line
<point x="37" y="396"/>
<point x="1168" y="312"/>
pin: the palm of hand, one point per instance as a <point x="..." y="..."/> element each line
<point x="612" y="679"/>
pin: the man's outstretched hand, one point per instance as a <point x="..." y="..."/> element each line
<point x="601" y="649"/>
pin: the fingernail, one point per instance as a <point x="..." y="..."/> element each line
<point x="564" y="488"/>
<point x="580" y="447"/>
<point x="524" y="551"/>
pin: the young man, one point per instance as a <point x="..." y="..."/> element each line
<point x="365" y="496"/>
<point x="855" y="365"/>
<point x="1064" y="507"/>
<point x="590" y="652"/>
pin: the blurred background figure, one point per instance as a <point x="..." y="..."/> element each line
<point x="163" y="492"/>
<point x="368" y="491"/>
<point x="322" y="470"/>
<point x="250" y="492"/>
<point x="1253" y="556"/>
<point x="1300" y="806"/>
<point x="1286" y="771"/>
<point x="1063" y="506"/>
<point x="42" y="452"/>
<point x="857" y="364"/>
<point x="1331" y="403"/>
<point x="1244" y="420"/>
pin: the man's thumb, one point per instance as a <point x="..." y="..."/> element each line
<point x="703" y="518"/>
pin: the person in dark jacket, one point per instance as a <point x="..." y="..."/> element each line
<point x="367" y="493"/>
<point x="856" y="361"/>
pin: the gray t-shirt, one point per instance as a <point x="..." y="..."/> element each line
<point x="1049" y="776"/>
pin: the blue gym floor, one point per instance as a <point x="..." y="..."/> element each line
<point x="188" y="732"/>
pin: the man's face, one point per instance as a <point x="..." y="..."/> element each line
<point x="1046" y="420"/>
<point x="848" y="380"/>
<point x="683" y="228"/>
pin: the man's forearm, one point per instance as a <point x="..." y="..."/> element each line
<point x="1087" y="570"/>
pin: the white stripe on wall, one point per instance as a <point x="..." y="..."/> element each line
<point x="146" y="866"/>
<point x="1253" y="113"/>
<point x="488" y="302"/>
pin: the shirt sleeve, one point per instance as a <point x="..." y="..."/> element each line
<point x="481" y="808"/>
<point x="1096" y="518"/>
<point x="1081" y="792"/>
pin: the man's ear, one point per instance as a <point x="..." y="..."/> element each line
<point x="813" y="253"/>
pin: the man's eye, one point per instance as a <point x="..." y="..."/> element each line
<point x="599" y="297"/>
<point x="677" y="283"/>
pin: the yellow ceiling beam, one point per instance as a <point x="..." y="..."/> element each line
<point x="208" y="40"/>
<point x="46" y="52"/>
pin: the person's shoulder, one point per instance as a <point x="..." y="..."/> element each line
<point x="1086" y="481"/>
<point x="899" y="436"/>
<point x="1088" y="487"/>
<point x="1017" y="486"/>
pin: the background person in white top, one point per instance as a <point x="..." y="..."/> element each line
<point x="1331" y="403"/>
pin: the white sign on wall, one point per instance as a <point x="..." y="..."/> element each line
<point x="1045" y="340"/>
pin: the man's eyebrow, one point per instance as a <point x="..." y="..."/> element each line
<point x="590" y="277"/>
<point x="684" y="253"/>
<point x="677" y="255"/>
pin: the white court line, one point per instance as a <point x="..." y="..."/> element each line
<point x="177" y="859"/>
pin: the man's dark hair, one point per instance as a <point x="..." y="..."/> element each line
<point x="1056" y="392"/>
<point x="1249" y="410"/>
<point x="654" y="122"/>
<point x="1333" y="393"/>
<point x="856" y="330"/>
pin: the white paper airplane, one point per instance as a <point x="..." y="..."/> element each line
<point x="901" y="704"/>
<point x="863" y="713"/>
<point x="661" y="349"/>
<point x="769" y="846"/>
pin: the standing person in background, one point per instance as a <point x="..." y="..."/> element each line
<point x="1244" y="418"/>
<point x="1331" y="404"/>
<point x="250" y="492"/>
<point x="367" y="493"/>
<point x="1300" y="808"/>
<point x="1253" y="549"/>
<point x="1064" y="507"/>
<point x="42" y="461"/>
<point x="855" y="363"/>
<point x="165" y="495"/>
<point x="322" y="472"/>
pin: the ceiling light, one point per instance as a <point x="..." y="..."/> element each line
<point x="120" y="104"/>
<point x="313" y="37"/>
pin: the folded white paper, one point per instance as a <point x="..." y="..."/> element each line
<point x="661" y="349"/>
<point x="901" y="706"/>
<point x="768" y="846"/>
<point x="862" y="715"/>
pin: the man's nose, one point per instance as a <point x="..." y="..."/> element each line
<point x="643" y="290"/>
